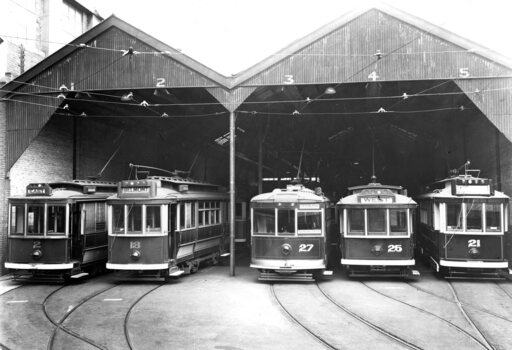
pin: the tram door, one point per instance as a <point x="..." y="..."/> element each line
<point x="76" y="230"/>
<point x="241" y="229"/>
<point x="173" y="235"/>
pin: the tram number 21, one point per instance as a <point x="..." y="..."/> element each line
<point x="305" y="248"/>
<point x="474" y="243"/>
<point x="394" y="248"/>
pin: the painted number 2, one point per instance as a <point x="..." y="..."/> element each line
<point x="394" y="248"/>
<point x="474" y="243"/>
<point x="305" y="247"/>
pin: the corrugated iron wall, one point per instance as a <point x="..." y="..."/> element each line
<point x="348" y="54"/>
<point x="494" y="98"/>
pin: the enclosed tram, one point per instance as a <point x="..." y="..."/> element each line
<point x="166" y="226"/>
<point x="463" y="226"/>
<point x="291" y="234"/>
<point x="58" y="230"/>
<point x="376" y="226"/>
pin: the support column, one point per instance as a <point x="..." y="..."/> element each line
<point x="232" y="193"/>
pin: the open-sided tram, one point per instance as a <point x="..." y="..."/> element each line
<point x="291" y="234"/>
<point x="463" y="226"/>
<point x="166" y="226"/>
<point x="58" y="230"/>
<point x="376" y="226"/>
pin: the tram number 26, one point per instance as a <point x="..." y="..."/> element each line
<point x="394" y="248"/>
<point x="305" y="248"/>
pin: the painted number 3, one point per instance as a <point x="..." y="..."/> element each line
<point x="306" y="247"/>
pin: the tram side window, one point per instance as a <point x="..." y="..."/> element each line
<point x="188" y="215"/>
<point x="56" y="219"/>
<point x="264" y="221"/>
<point x="492" y="217"/>
<point x="397" y="222"/>
<point x="17" y="219"/>
<point x="100" y="217"/>
<point x="309" y="222"/>
<point x="118" y="218"/>
<point x="454" y="216"/>
<point x="355" y="219"/>
<point x="376" y="221"/>
<point x="286" y="222"/>
<point x="474" y="216"/>
<point x="35" y="220"/>
<point x="135" y="218"/>
<point x="153" y="221"/>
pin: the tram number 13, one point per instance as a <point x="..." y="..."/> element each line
<point x="305" y="248"/>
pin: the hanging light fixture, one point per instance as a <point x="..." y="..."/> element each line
<point x="127" y="97"/>
<point x="330" y="91"/>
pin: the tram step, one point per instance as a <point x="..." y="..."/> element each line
<point x="79" y="275"/>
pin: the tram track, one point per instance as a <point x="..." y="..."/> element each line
<point x="486" y="311"/>
<point x="468" y="318"/>
<point x="483" y="343"/>
<point x="125" y="323"/>
<point x="303" y="326"/>
<point x="58" y="324"/>
<point x="368" y="323"/>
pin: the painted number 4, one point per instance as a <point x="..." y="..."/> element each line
<point x="394" y="248"/>
<point x="306" y="247"/>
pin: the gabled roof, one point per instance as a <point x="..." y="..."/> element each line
<point x="345" y="19"/>
<point x="102" y="27"/>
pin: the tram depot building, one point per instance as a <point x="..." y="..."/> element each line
<point x="377" y="90"/>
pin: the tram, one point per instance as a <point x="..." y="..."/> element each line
<point x="164" y="226"/>
<point x="291" y="234"/>
<point x="57" y="231"/>
<point x="462" y="226"/>
<point x="376" y="231"/>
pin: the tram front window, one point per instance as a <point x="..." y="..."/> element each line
<point x="376" y="222"/>
<point x="474" y="216"/>
<point x="355" y="220"/>
<point x="309" y="222"/>
<point x="153" y="218"/>
<point x="492" y="217"/>
<point x="264" y="222"/>
<point x="56" y="219"/>
<point x="17" y="219"/>
<point x="286" y="222"/>
<point x="397" y="222"/>
<point x="118" y="218"/>
<point x="134" y="219"/>
<point x="35" y="220"/>
<point x="453" y="216"/>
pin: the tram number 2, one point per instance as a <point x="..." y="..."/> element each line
<point x="36" y="245"/>
<point x="305" y="248"/>
<point x="474" y="243"/>
<point x="394" y="248"/>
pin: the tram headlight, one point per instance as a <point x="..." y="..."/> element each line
<point x="474" y="252"/>
<point x="136" y="255"/>
<point x="286" y="249"/>
<point x="37" y="254"/>
<point x="377" y="249"/>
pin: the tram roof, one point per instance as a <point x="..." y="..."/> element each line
<point x="292" y="193"/>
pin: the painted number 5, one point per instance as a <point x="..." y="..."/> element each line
<point x="305" y="247"/>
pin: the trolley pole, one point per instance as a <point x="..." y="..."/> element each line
<point x="232" y="193"/>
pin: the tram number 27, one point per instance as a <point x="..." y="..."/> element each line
<point x="305" y="248"/>
<point x="394" y="248"/>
